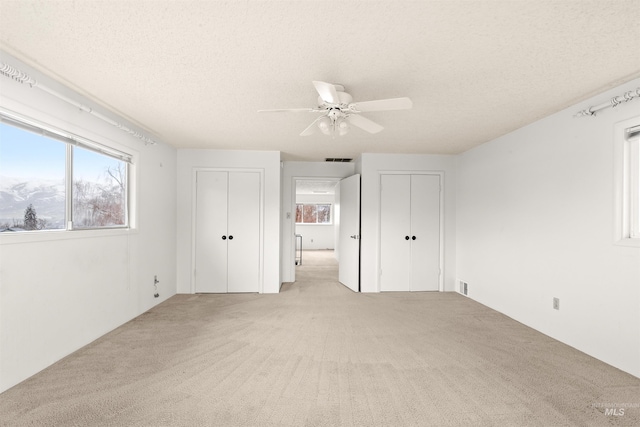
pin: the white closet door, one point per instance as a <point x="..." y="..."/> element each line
<point x="244" y="232"/>
<point x="395" y="229"/>
<point x="211" y="232"/>
<point x="425" y="232"/>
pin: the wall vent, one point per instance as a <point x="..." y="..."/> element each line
<point x="463" y="287"/>
<point x="339" y="160"/>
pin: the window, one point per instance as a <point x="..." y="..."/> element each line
<point x="99" y="190"/>
<point x="633" y="140"/>
<point x="50" y="180"/>
<point x="627" y="170"/>
<point x="32" y="181"/>
<point x="310" y="213"/>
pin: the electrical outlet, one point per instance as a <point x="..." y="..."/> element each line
<point x="155" y="286"/>
<point x="556" y="303"/>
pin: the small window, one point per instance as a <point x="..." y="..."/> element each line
<point x="311" y="213"/>
<point x="323" y="214"/>
<point x="51" y="180"/>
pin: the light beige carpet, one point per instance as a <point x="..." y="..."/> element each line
<point x="318" y="354"/>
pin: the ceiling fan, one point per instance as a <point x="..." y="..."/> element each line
<point x="338" y="111"/>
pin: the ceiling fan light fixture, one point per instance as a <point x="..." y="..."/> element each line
<point x="343" y="126"/>
<point x="325" y="125"/>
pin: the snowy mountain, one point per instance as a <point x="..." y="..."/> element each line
<point x="46" y="196"/>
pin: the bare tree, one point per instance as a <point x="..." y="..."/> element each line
<point x="103" y="203"/>
<point x="119" y="175"/>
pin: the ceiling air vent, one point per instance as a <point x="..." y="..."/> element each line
<point x="330" y="159"/>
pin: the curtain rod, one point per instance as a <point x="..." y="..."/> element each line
<point x="22" y="77"/>
<point x="613" y="102"/>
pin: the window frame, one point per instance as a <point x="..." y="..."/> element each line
<point x="72" y="140"/>
<point x="330" y="205"/>
<point x="634" y="187"/>
<point x="627" y="183"/>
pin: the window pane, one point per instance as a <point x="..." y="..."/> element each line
<point x="324" y="214"/>
<point x="99" y="190"/>
<point x="32" y="181"/>
<point x="634" y="187"/>
<point x="298" y="213"/>
<point x="309" y="214"/>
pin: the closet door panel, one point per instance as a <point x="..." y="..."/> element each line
<point x="244" y="232"/>
<point x="395" y="227"/>
<point x="211" y="227"/>
<point x="425" y="228"/>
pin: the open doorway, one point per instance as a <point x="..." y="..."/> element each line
<point x="316" y="220"/>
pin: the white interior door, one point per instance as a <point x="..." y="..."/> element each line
<point x="395" y="232"/>
<point x="349" y="234"/>
<point x="211" y="232"/>
<point x="425" y="232"/>
<point x="243" y="242"/>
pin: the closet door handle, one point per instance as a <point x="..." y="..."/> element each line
<point x="224" y="237"/>
<point x="413" y="237"/>
<point x="406" y="237"/>
<point x="230" y="237"/>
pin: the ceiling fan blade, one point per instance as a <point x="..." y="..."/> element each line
<point x="311" y="129"/>
<point x="364" y="123"/>
<point x="327" y="92"/>
<point x="293" y="110"/>
<point x="382" y="105"/>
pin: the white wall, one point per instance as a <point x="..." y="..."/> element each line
<point x="61" y="290"/>
<point x="371" y="166"/>
<point x="266" y="161"/>
<point x="317" y="236"/>
<point x="535" y="221"/>
<point x="291" y="171"/>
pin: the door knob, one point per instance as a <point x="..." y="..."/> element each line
<point x="224" y="237"/>
<point x="413" y="237"/>
<point x="230" y="237"/>
<point x="353" y="237"/>
<point x="406" y="237"/>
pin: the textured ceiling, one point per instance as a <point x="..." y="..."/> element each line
<point x="194" y="73"/>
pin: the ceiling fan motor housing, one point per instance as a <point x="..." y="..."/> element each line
<point x="345" y="100"/>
